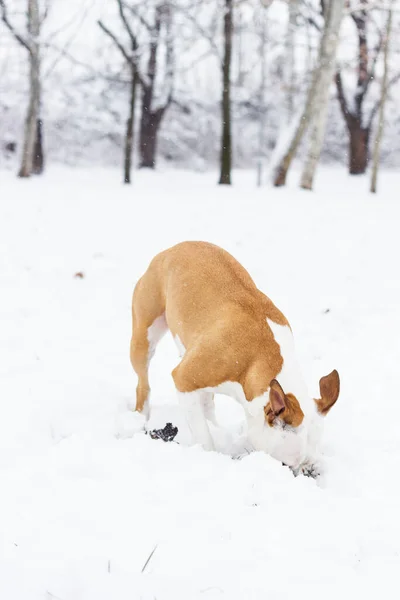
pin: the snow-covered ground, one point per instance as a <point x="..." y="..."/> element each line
<point x="84" y="500"/>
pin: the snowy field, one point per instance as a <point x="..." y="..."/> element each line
<point x="84" y="500"/>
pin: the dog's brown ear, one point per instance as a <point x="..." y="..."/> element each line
<point x="329" y="387"/>
<point x="277" y="398"/>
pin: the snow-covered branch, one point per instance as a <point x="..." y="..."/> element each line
<point x="18" y="36"/>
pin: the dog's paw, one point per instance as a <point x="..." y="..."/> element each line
<point x="308" y="469"/>
<point x="311" y="471"/>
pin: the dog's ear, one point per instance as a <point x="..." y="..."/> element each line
<point x="285" y="406"/>
<point x="329" y="387"/>
<point x="277" y="398"/>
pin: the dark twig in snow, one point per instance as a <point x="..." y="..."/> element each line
<point x="149" y="558"/>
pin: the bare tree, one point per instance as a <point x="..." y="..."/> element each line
<point x="226" y="141"/>
<point x="384" y="93"/>
<point x="357" y="122"/>
<point x="291" y="139"/>
<point x="130" y="56"/>
<point x="152" y="114"/>
<point x="327" y="67"/>
<point x="32" y="154"/>
<point x="134" y="16"/>
<point x="174" y="52"/>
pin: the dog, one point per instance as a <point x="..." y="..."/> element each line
<point x="232" y="340"/>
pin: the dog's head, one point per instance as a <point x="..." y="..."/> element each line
<point x="294" y="430"/>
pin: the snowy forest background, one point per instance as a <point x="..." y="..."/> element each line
<point x="97" y="61"/>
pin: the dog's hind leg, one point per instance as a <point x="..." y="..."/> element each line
<point x="148" y="327"/>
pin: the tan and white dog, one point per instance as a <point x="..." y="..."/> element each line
<point x="232" y="340"/>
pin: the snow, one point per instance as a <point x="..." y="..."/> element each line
<point x="86" y="497"/>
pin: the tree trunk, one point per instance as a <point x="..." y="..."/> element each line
<point x="149" y="128"/>
<point x="151" y="119"/>
<point x="333" y="20"/>
<point x="31" y="122"/>
<point x="378" y="141"/>
<point x="38" y="155"/>
<point x="290" y="139"/>
<point x="327" y="48"/>
<point x="226" y="142"/>
<point x="359" y="147"/>
<point x="130" y="127"/>
<point x="353" y="112"/>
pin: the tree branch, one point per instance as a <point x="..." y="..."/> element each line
<point x="63" y="51"/>
<point x="46" y="11"/>
<point x="378" y="103"/>
<point x="377" y="51"/>
<point x="363" y="6"/>
<point x="309" y="20"/>
<point x="136" y="14"/>
<point x="342" y="97"/>
<point x="4" y="17"/>
<point x="127" y="26"/>
<point x="213" y="45"/>
<point x="113" y="37"/>
<point x="130" y="59"/>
